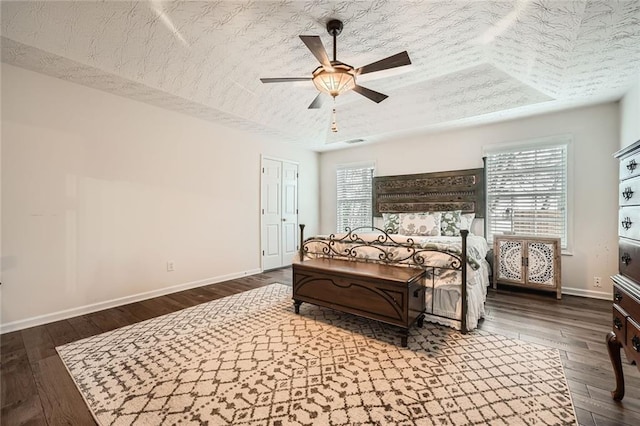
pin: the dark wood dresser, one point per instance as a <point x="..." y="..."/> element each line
<point x="626" y="284"/>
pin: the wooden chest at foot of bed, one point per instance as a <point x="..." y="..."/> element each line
<point x="390" y="294"/>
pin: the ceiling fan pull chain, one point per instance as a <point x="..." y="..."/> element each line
<point x="334" y="124"/>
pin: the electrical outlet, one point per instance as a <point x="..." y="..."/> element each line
<point x="597" y="282"/>
<point x="170" y="266"/>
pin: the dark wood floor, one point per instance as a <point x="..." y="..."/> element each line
<point x="37" y="390"/>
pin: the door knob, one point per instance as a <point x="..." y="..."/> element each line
<point x="284" y="220"/>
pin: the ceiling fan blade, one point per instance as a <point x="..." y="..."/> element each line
<point x="317" y="102"/>
<point x="376" y="97"/>
<point x="284" y="79"/>
<point x="317" y="48"/>
<point x="397" y="60"/>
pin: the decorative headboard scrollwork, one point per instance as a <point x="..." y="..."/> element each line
<point x="439" y="191"/>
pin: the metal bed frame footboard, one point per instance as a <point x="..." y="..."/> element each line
<point x="409" y="254"/>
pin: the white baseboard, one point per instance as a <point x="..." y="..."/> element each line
<point x="87" y="309"/>
<point x="587" y="293"/>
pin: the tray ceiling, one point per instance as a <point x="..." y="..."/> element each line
<point x="472" y="61"/>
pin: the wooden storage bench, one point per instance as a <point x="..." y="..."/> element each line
<point x="390" y="294"/>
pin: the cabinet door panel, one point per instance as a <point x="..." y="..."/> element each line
<point x="510" y="268"/>
<point x="541" y="263"/>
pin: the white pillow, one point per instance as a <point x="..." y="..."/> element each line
<point x="422" y="224"/>
<point x="466" y="219"/>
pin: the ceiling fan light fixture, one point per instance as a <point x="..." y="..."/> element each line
<point x="340" y="80"/>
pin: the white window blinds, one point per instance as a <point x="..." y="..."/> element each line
<point x="354" y="190"/>
<point x="527" y="191"/>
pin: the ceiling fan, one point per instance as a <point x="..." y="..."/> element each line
<point x="335" y="77"/>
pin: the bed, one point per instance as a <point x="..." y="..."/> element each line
<point x="403" y="203"/>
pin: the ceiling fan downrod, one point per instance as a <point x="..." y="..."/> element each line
<point x="334" y="28"/>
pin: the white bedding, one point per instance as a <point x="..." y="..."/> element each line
<point x="447" y="301"/>
<point x="442" y="293"/>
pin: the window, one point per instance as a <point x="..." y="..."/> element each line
<point x="354" y="189"/>
<point x="527" y="189"/>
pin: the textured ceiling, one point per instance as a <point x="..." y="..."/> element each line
<point x="472" y="61"/>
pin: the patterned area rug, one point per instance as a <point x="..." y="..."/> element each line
<point x="248" y="359"/>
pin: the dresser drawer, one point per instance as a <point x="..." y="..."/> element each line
<point x="629" y="222"/>
<point x="629" y="259"/>
<point x="619" y="323"/>
<point x="630" y="166"/>
<point x="628" y="304"/>
<point x="633" y="340"/>
<point x="629" y="192"/>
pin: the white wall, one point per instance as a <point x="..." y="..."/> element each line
<point x="99" y="192"/>
<point x="594" y="218"/>
<point x="630" y="116"/>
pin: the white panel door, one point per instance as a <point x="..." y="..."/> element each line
<point x="271" y="214"/>
<point x="279" y="213"/>
<point x="289" y="212"/>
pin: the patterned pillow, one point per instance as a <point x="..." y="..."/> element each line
<point x="466" y="219"/>
<point x="422" y="224"/>
<point x="450" y="223"/>
<point x="391" y="222"/>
